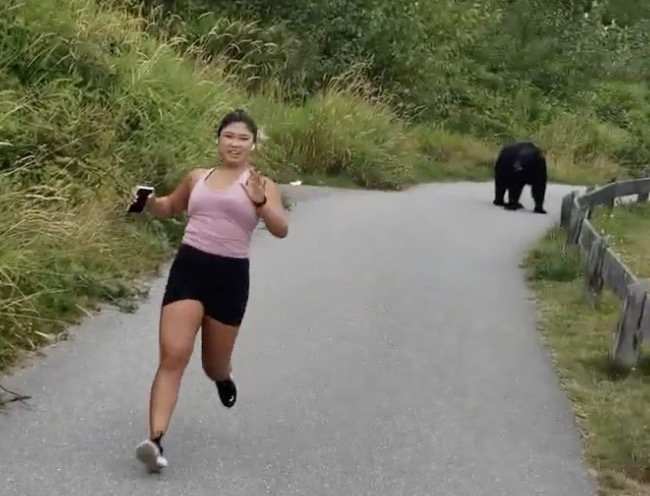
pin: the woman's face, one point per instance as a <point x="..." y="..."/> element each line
<point x="235" y="143"/>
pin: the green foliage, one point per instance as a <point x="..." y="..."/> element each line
<point x="346" y="130"/>
<point x="498" y="70"/>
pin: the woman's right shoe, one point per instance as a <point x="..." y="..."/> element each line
<point x="150" y="454"/>
<point x="227" y="392"/>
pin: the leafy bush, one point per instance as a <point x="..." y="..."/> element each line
<point x="496" y="71"/>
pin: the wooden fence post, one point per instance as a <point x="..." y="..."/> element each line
<point x="575" y="224"/>
<point x="567" y="208"/>
<point x="628" y="337"/>
<point x="594" y="270"/>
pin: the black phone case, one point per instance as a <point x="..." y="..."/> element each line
<point x="138" y="206"/>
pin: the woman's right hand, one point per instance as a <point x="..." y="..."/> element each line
<point x="135" y="197"/>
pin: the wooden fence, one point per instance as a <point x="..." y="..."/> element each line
<point x="605" y="270"/>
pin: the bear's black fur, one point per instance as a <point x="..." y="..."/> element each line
<point x="518" y="165"/>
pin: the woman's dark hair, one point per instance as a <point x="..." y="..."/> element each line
<point x="238" y="115"/>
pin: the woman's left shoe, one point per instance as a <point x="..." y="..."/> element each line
<point x="227" y="391"/>
<point x="150" y="453"/>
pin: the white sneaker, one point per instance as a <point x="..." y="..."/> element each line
<point x="149" y="453"/>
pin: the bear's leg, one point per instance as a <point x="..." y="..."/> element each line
<point x="538" y="191"/>
<point x="514" y="193"/>
<point x="501" y="177"/>
<point x="499" y="191"/>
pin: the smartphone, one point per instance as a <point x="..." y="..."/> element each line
<point x="142" y="193"/>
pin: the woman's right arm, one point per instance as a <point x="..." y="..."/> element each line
<point x="174" y="203"/>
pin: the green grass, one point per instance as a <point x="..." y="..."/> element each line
<point x="610" y="409"/>
<point x="576" y="154"/>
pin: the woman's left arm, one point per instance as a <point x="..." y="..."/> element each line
<point x="273" y="212"/>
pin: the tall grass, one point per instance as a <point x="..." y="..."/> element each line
<point x="57" y="259"/>
<point x="91" y="105"/>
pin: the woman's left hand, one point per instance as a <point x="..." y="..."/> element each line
<point x="254" y="187"/>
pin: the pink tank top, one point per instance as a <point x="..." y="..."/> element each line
<point x="220" y="222"/>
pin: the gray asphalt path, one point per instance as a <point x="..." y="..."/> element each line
<point x="389" y="349"/>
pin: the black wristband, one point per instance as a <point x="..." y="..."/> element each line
<point x="260" y="204"/>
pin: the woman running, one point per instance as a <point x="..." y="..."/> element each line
<point x="209" y="279"/>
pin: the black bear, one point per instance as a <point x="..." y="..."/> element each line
<point x="518" y="165"/>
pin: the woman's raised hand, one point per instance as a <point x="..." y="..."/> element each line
<point x="254" y="187"/>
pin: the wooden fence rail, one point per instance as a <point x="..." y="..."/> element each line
<point x="604" y="268"/>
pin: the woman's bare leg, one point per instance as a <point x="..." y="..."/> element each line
<point x="217" y="343"/>
<point x="179" y="323"/>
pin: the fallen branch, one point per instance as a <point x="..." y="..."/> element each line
<point x="13" y="396"/>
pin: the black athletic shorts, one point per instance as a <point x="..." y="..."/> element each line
<point x="221" y="284"/>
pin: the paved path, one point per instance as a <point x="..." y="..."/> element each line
<point x="390" y="349"/>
